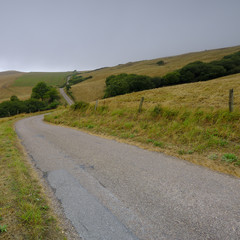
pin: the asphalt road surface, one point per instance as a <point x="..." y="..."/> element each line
<point x="67" y="98"/>
<point x="115" y="191"/>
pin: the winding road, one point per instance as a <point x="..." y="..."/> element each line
<point x="115" y="191"/>
<point x="66" y="97"/>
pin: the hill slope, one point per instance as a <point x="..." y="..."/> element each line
<point x="208" y="95"/>
<point x="20" y="84"/>
<point x="32" y="78"/>
<point x="7" y="89"/>
<point x="93" y="88"/>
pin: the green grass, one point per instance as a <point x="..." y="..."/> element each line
<point x="24" y="211"/>
<point x="31" y="79"/>
<point x="230" y="157"/>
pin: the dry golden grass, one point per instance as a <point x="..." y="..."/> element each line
<point x="93" y="88"/>
<point x="208" y="95"/>
<point x="7" y="79"/>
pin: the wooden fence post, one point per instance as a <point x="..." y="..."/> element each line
<point x="230" y="100"/>
<point x="96" y="105"/>
<point x="140" y="105"/>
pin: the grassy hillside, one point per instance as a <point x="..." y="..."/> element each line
<point x="190" y="121"/>
<point x="93" y="88"/>
<point x="7" y="89"/>
<point x="210" y="95"/>
<point x="20" y="84"/>
<point x="31" y="79"/>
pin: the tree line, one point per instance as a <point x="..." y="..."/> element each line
<point x="192" y="72"/>
<point x="43" y="97"/>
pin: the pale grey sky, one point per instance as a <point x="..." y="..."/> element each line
<point x="63" y="35"/>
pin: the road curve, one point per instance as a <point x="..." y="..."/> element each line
<point x="66" y="97"/>
<point x="111" y="190"/>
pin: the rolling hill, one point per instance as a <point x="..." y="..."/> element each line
<point x="7" y="89"/>
<point x="93" y="88"/>
<point x="20" y="84"/>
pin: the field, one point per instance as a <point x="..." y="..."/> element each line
<point x="20" y="84"/>
<point x="7" y="89"/>
<point x="24" y="209"/>
<point x="93" y="88"/>
<point x="31" y="79"/>
<point x="190" y="121"/>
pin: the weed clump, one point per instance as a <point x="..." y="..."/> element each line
<point x="229" y="157"/>
<point x="83" y="106"/>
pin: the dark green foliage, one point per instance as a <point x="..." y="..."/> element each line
<point x="68" y="87"/>
<point x="49" y="100"/>
<point x="44" y="92"/>
<point x="40" y="91"/>
<point x="14" y="98"/>
<point x="157" y="111"/>
<point x="192" y="72"/>
<point x="52" y="95"/>
<point x="171" y="78"/>
<point x="83" y="106"/>
<point x="160" y="63"/>
<point x="199" y="71"/>
<point x="126" y="83"/>
<point x="77" y="79"/>
<point x="34" y="105"/>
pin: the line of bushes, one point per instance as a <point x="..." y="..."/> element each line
<point x="75" y="79"/>
<point x="192" y="72"/>
<point x="43" y="98"/>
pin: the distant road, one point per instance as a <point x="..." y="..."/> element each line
<point x="67" y="98"/>
<point x="115" y="191"/>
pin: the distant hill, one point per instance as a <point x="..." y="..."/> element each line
<point x="93" y="88"/>
<point x="20" y="84"/>
<point x="7" y="79"/>
<point x="5" y="73"/>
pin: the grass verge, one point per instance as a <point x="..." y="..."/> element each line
<point x="24" y="210"/>
<point x="201" y="136"/>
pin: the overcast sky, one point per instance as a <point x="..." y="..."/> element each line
<point x="64" y="35"/>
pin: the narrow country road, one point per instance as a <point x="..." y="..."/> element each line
<point x="115" y="191"/>
<point x="66" y="97"/>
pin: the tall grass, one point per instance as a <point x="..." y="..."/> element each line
<point x="24" y="209"/>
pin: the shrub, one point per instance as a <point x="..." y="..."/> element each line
<point x="160" y="63"/>
<point x="83" y="106"/>
<point x="126" y="83"/>
<point x="157" y="111"/>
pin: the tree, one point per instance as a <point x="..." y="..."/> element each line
<point x="40" y="91"/>
<point x="14" y="98"/>
<point x="126" y="83"/>
<point x="68" y="87"/>
<point x="52" y="95"/>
